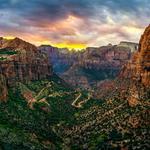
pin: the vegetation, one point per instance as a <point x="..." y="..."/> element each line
<point x="53" y="123"/>
<point x="7" y="52"/>
<point x="4" y="53"/>
<point x="2" y="58"/>
<point x="25" y="128"/>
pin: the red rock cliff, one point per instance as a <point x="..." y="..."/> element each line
<point x="138" y="69"/>
<point x="21" y="61"/>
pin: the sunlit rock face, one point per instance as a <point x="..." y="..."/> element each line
<point x="21" y="62"/>
<point x="137" y="71"/>
<point x="144" y="57"/>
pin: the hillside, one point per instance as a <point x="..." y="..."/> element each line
<point x="20" y="62"/>
<point x="32" y="111"/>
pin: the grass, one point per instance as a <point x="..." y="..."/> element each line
<point x="3" y="59"/>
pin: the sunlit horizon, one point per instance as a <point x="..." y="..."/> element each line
<point x="74" y="24"/>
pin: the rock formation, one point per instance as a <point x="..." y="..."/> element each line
<point x="97" y="64"/>
<point x="137" y="71"/>
<point x="133" y="81"/>
<point x="131" y="45"/>
<point x="61" y="58"/>
<point x="21" y="61"/>
<point x="3" y="88"/>
<point x="105" y="56"/>
<point x="87" y="67"/>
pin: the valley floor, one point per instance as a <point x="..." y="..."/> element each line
<point x="47" y="114"/>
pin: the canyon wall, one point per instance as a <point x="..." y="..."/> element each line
<point x="21" y="62"/>
<point x="87" y="67"/>
<point x="97" y="64"/>
<point x="61" y="58"/>
<point x="137" y="71"/>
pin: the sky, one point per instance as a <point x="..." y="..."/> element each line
<point x="74" y="23"/>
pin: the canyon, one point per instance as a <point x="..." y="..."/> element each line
<point x="86" y="68"/>
<point x="52" y="98"/>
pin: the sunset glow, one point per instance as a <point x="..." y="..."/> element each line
<point x="70" y="46"/>
<point x="74" y="24"/>
<point x="8" y="37"/>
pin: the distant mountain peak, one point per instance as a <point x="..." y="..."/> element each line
<point x="16" y="44"/>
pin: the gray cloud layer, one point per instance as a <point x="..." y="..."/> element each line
<point x="34" y="16"/>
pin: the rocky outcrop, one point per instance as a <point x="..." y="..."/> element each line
<point x="139" y="67"/>
<point x="23" y="62"/>
<point x="17" y="44"/>
<point x="133" y="81"/>
<point x="137" y="71"/>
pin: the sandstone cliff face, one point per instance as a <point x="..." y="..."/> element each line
<point x="137" y="71"/>
<point x="97" y="64"/>
<point x="21" y="61"/>
<point x="106" y="56"/>
<point x="3" y="88"/>
<point x="144" y="57"/>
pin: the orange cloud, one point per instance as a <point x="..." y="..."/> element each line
<point x="74" y="32"/>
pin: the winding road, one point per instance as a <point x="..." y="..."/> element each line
<point x="80" y="104"/>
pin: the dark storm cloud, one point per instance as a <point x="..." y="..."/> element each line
<point x="46" y="9"/>
<point x="59" y="9"/>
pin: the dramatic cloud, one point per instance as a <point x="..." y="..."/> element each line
<point x="74" y="23"/>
